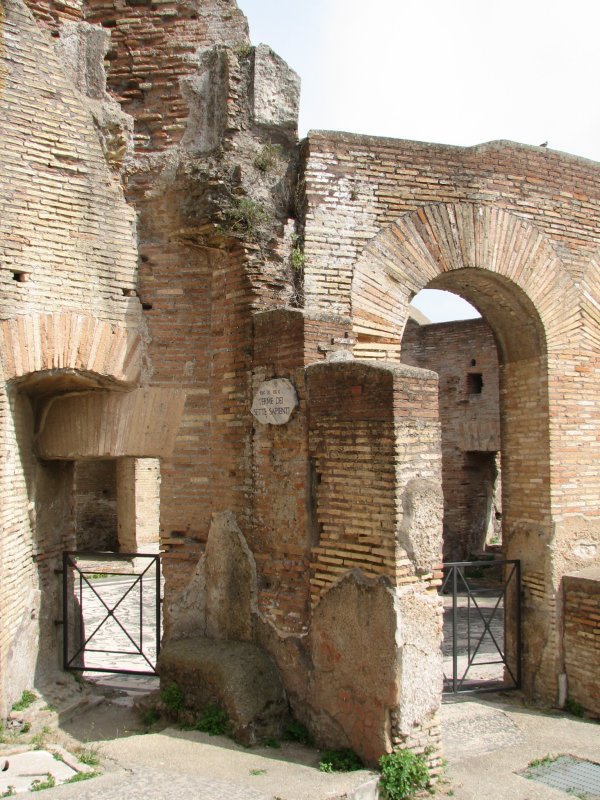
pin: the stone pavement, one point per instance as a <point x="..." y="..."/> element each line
<point x="488" y="741"/>
<point x="173" y="764"/>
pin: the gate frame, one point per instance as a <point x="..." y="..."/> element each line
<point x="513" y="580"/>
<point x="67" y="562"/>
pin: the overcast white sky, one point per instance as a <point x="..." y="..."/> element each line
<point x="461" y="72"/>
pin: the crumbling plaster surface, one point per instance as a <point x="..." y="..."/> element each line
<point x="366" y="674"/>
<point x="83" y="48"/>
<point x="230" y="581"/>
<point x="421" y="522"/>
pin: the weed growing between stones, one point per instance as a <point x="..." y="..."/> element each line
<point x="172" y="696"/>
<point x="213" y="721"/>
<point x="295" y="731"/>
<point x="402" y="774"/>
<point x="48" y="783"/>
<point x="10" y="791"/>
<point x="245" y="218"/>
<point x="297" y="258"/>
<point x="575" y="708"/>
<point x="344" y="760"/>
<point x="27" y="698"/>
<point x="541" y="762"/>
<point x="89" y="756"/>
<point x="82" y="776"/>
<point x="243" y="50"/>
<point x="39" y="740"/>
<point x="267" y="157"/>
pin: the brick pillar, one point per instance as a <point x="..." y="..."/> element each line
<point x="376" y="624"/>
<point x="138" y="504"/>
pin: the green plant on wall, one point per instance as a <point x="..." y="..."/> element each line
<point x="297" y="257"/>
<point x="172" y="696"/>
<point x="213" y="721"/>
<point x="267" y="157"/>
<point x="245" y="217"/>
<point x="243" y="50"/>
<point x="402" y="774"/>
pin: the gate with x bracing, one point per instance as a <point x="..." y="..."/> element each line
<point x="482" y="625"/>
<point x="111" y="612"/>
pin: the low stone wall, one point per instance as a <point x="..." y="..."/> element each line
<point x="582" y="637"/>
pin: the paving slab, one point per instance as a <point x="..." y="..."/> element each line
<point x="32" y="765"/>
<point x="176" y="764"/>
<point x="501" y="737"/>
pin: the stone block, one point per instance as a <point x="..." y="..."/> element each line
<point x="206" y="93"/>
<point x="235" y="676"/>
<point x="230" y="581"/>
<point x="276" y="90"/>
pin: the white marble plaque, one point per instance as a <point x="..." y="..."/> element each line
<point x="274" y="402"/>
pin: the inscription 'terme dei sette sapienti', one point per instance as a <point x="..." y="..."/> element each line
<point x="274" y="402"/>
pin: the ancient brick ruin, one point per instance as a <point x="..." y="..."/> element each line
<point x="168" y="248"/>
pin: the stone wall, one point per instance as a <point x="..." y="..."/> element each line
<point x="464" y="356"/>
<point x="157" y="228"/>
<point x="153" y="48"/>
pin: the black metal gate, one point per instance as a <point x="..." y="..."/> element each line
<point x="482" y="625"/>
<point x="111" y="612"/>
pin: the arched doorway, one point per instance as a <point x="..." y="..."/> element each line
<point x="447" y="335"/>
<point x="504" y="267"/>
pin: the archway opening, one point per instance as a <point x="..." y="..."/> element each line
<point x="66" y="502"/>
<point x="493" y="400"/>
<point x="494" y="413"/>
<point x="446" y="334"/>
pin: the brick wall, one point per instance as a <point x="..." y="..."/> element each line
<point x="95" y="495"/>
<point x="582" y="638"/>
<point x="515" y="230"/>
<point x="67" y="301"/>
<point x="284" y="529"/>
<point x="154" y="46"/>
<point x="358" y="184"/>
<point x="369" y="437"/>
<point x="138" y="505"/>
<point x="63" y="208"/>
<point x="374" y="443"/>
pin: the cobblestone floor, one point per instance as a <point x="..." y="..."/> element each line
<point x="116" y="617"/>
<point x="474" y="641"/>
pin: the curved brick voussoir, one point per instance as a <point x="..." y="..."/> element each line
<point x="425" y="247"/>
<point x="69" y="341"/>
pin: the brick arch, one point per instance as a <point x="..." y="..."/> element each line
<point x="446" y="245"/>
<point x="509" y="270"/>
<point x="71" y="341"/>
<point x="590" y="304"/>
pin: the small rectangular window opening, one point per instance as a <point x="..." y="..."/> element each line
<point x="474" y="383"/>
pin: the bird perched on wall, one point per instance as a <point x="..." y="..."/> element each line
<point x="543" y="144"/>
